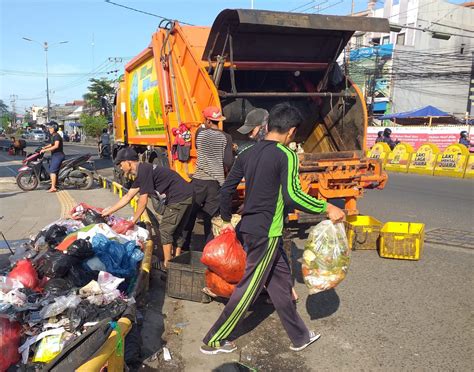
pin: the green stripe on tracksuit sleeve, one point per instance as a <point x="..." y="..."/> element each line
<point x="239" y="311"/>
<point x="293" y="186"/>
<point x="276" y="228"/>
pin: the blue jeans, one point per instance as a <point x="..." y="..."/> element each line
<point x="56" y="161"/>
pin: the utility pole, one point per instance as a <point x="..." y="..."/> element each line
<point x="374" y="85"/>
<point x="13" y="98"/>
<point x="470" y="93"/>
<point x="45" y="48"/>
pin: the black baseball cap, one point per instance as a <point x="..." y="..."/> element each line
<point x="254" y="118"/>
<point x="125" y="154"/>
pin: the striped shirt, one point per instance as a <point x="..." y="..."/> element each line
<point x="214" y="153"/>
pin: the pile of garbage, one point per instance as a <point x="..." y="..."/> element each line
<point x="226" y="259"/>
<point x="74" y="273"/>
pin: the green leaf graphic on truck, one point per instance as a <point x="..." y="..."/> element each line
<point x="145" y="101"/>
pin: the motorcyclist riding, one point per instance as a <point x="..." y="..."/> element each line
<point x="386" y="138"/>
<point x="464" y="139"/>
<point x="104" y="144"/>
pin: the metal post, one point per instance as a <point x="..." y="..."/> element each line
<point x="48" y="103"/>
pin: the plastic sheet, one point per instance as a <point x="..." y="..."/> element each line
<point x="61" y="304"/>
<point x="57" y="287"/>
<point x="9" y="342"/>
<point x="25" y="273"/>
<point x="119" y="259"/>
<point x="225" y="256"/>
<point x="326" y="257"/>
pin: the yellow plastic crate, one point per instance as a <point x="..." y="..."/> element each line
<point x="363" y="232"/>
<point x="402" y="240"/>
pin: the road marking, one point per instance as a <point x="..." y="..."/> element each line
<point x="66" y="201"/>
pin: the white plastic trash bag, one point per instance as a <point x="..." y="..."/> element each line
<point x="326" y="257"/>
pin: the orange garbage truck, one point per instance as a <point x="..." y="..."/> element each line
<point x="253" y="59"/>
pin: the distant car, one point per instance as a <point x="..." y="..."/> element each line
<point x="37" y="135"/>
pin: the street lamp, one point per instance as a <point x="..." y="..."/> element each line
<point x="45" y="46"/>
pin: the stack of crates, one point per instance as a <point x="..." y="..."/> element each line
<point x="399" y="240"/>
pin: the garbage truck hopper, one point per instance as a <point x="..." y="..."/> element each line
<point x="255" y="59"/>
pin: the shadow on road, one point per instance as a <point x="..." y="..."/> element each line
<point x="323" y="304"/>
<point x="7" y="194"/>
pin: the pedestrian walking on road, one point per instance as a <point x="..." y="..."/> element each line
<point x="271" y="177"/>
<point x="152" y="180"/>
<point x="214" y="157"/>
<point x="57" y="154"/>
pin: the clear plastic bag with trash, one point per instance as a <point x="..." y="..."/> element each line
<point x="326" y="256"/>
<point x="59" y="305"/>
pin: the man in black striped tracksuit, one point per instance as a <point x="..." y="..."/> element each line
<point x="214" y="156"/>
<point x="272" y="182"/>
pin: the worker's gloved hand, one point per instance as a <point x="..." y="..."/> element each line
<point x="335" y="214"/>
<point x="227" y="225"/>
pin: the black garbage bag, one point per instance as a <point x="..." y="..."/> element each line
<point x="55" y="235"/>
<point x="91" y="217"/>
<point x="55" y="264"/>
<point x="57" y="287"/>
<point x="81" y="248"/>
<point x="87" y="312"/>
<point x="80" y="275"/>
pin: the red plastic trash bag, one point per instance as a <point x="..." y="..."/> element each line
<point x="225" y="256"/>
<point x="218" y="286"/>
<point x="78" y="212"/>
<point x="25" y="273"/>
<point x="9" y="343"/>
<point x="121" y="226"/>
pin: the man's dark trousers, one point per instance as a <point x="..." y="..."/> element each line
<point x="267" y="267"/>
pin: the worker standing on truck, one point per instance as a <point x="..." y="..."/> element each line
<point x="152" y="180"/>
<point x="271" y="177"/>
<point x="214" y="157"/>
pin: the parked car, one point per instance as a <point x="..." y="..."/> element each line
<point x="37" y="135"/>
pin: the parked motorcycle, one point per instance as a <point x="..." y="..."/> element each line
<point x="72" y="172"/>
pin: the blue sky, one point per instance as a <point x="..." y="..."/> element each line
<point x="95" y="31"/>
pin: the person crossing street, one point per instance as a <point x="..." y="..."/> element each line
<point x="272" y="182"/>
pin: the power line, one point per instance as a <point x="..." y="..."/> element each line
<point x="144" y="12"/>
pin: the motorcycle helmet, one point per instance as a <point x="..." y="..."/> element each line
<point x="387" y="132"/>
<point x="54" y="125"/>
<point x="380" y="133"/>
<point x="463" y="134"/>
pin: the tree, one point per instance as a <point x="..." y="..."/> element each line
<point x="5" y="116"/>
<point x="98" y="90"/>
<point x="93" y="125"/>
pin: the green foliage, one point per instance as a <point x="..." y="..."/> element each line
<point x="93" y="125"/>
<point x="99" y="88"/>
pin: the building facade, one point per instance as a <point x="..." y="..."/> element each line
<point x="431" y="64"/>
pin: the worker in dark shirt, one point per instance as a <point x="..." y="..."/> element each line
<point x="57" y="154"/>
<point x="388" y="140"/>
<point x="214" y="158"/>
<point x="272" y="182"/>
<point x="152" y="181"/>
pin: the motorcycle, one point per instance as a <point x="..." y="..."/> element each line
<point x="72" y="172"/>
<point x="104" y="151"/>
